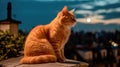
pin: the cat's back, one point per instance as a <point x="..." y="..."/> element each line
<point x="38" y="32"/>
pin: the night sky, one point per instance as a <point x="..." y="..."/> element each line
<point x="91" y="15"/>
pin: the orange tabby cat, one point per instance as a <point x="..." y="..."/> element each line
<point x="45" y="43"/>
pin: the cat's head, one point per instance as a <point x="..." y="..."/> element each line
<point x="66" y="17"/>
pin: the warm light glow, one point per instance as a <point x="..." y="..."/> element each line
<point x="114" y="44"/>
<point x="88" y="20"/>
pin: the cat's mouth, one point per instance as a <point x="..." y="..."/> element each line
<point x="74" y="20"/>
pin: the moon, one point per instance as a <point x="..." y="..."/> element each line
<point x="88" y="20"/>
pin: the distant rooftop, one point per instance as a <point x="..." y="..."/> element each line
<point x="9" y="18"/>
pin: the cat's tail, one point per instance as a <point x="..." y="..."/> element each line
<point x="38" y="59"/>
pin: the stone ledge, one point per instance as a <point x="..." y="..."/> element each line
<point x="14" y="62"/>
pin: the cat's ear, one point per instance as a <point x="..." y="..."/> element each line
<point x="65" y="10"/>
<point x="72" y="11"/>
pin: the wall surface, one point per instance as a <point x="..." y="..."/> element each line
<point x="14" y="62"/>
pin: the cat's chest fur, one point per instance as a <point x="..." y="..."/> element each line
<point x="59" y="34"/>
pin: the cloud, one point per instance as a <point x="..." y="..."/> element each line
<point x="83" y="12"/>
<point x="83" y="6"/>
<point x="99" y="3"/>
<point x="108" y="10"/>
<point x="94" y="20"/>
<point x="91" y="4"/>
<point x="105" y="2"/>
<point x="97" y="16"/>
<point x="98" y="11"/>
<point x="93" y="17"/>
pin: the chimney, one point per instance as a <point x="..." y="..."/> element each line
<point x="9" y="10"/>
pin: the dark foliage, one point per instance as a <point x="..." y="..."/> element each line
<point x="10" y="44"/>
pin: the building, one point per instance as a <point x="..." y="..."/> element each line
<point x="9" y="23"/>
